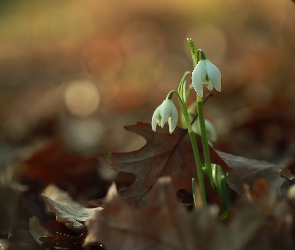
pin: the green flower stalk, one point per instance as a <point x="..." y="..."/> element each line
<point x="165" y="112"/>
<point x="204" y="74"/>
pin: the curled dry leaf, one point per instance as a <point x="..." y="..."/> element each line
<point x="67" y="211"/>
<point x="164" y="154"/>
<point x="167" y="154"/>
<point x="162" y="224"/>
<point x="260" y="221"/>
<point x="37" y="230"/>
<point x="42" y="236"/>
<point x="246" y="171"/>
<point x="57" y="194"/>
<point x="287" y="172"/>
<point x="63" y="241"/>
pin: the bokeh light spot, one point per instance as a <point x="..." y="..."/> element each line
<point x="82" y="98"/>
<point x="83" y="135"/>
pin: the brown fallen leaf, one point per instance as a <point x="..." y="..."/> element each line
<point x="162" y="224"/>
<point x="167" y="154"/>
<point x="246" y="171"/>
<point x="54" y="164"/>
<point x="67" y="211"/>
<point x="288" y="171"/>
<point x="63" y="241"/>
<point x="164" y="154"/>
<point x="262" y="221"/>
<point x="37" y="230"/>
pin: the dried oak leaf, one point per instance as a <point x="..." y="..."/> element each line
<point x="288" y="171"/>
<point x="67" y="211"/>
<point x="259" y="221"/>
<point x="162" y="224"/>
<point x="164" y="154"/>
<point x="247" y="171"/>
<point x="37" y="230"/>
<point x="63" y="241"/>
<point x="43" y="237"/>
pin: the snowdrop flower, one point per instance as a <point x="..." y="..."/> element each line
<point x="206" y="74"/>
<point x="210" y="129"/>
<point x="165" y="112"/>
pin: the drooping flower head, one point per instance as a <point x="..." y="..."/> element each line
<point x="210" y="129"/>
<point x="206" y="74"/>
<point x="165" y="112"/>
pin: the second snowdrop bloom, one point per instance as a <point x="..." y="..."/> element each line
<point x="206" y="74"/>
<point x="165" y="112"/>
<point x="210" y="129"/>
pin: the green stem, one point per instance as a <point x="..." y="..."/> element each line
<point x="194" y="52"/>
<point x="194" y="147"/>
<point x="198" y="166"/>
<point x="225" y="196"/>
<point x="196" y="58"/>
<point x="205" y="144"/>
<point x="194" y="188"/>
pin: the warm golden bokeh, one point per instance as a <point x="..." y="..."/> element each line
<point x="82" y="98"/>
<point x="130" y="54"/>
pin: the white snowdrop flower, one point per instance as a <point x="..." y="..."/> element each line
<point x="165" y="112"/>
<point x="206" y="74"/>
<point x="210" y="129"/>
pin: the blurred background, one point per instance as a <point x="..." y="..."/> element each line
<point x="79" y="71"/>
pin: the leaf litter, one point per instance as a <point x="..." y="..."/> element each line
<point x="149" y="215"/>
<point x="260" y="221"/>
<point x="164" y="154"/>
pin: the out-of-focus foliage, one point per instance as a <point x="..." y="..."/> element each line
<point x="261" y="221"/>
<point x="73" y="73"/>
<point x="83" y="69"/>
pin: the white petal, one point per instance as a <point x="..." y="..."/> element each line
<point x="165" y="111"/>
<point x="197" y="79"/>
<point x="172" y="121"/>
<point x="214" y="75"/>
<point x="170" y="126"/>
<point x="156" y="116"/>
<point x="204" y="71"/>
